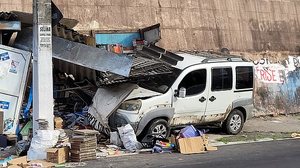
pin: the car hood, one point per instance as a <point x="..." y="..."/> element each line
<point x="142" y="93"/>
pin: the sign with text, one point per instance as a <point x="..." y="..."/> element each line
<point x="45" y="37"/>
<point x="270" y="73"/>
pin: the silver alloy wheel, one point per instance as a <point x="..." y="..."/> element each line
<point x="160" y="130"/>
<point x="235" y="122"/>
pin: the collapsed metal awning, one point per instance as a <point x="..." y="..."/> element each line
<point x="142" y="68"/>
<point x="160" y="54"/>
<point x="148" y="62"/>
<point x="81" y="54"/>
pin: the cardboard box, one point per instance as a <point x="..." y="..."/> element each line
<point x="58" y="155"/>
<point x="191" y="145"/>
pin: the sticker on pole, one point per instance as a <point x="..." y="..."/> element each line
<point x="45" y="36"/>
<point x="14" y="66"/>
<point x="4" y="56"/>
<point x="4" y="105"/>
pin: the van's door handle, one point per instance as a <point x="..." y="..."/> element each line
<point x="202" y="99"/>
<point x="212" y="98"/>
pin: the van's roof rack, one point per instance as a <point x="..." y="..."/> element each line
<point x="215" y="57"/>
<point x="224" y="59"/>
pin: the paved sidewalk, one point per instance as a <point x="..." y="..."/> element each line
<point x="273" y="124"/>
<point x="280" y="124"/>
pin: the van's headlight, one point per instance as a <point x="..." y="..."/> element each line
<point x="131" y="105"/>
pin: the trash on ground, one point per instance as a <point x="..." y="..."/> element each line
<point x="43" y="140"/>
<point x="4" y="159"/>
<point x="63" y="139"/>
<point x="163" y="146"/>
<point x="22" y="147"/>
<point x="295" y="135"/>
<point x="191" y="140"/>
<point x="40" y="163"/>
<point x="75" y="164"/>
<point x="128" y="138"/>
<point x="115" y="138"/>
<point x="191" y="131"/>
<point x="20" y="161"/>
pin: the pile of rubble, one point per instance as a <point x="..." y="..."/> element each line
<point x="81" y="146"/>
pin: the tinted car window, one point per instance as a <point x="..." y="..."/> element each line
<point x="244" y="77"/>
<point x="194" y="82"/>
<point x="221" y="79"/>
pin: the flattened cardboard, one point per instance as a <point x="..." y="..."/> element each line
<point x="191" y="145"/>
<point x="18" y="161"/>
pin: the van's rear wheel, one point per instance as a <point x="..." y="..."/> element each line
<point x="234" y="122"/>
<point x="159" y="128"/>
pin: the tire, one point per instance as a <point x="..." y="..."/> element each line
<point x="234" y="122"/>
<point x="159" y="128"/>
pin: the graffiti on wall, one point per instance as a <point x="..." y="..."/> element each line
<point x="277" y="85"/>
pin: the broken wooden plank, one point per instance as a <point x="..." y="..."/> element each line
<point x="12" y="39"/>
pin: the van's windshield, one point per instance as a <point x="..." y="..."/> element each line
<point x="160" y="83"/>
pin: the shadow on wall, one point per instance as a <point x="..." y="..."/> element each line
<point x="277" y="86"/>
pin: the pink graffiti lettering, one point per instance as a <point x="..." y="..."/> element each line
<point x="270" y="75"/>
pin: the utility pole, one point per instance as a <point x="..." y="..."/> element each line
<point x="42" y="66"/>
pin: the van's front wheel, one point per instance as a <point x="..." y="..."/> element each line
<point x="234" y="122"/>
<point x="159" y="128"/>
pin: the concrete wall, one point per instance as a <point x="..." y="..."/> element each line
<point x="243" y="25"/>
<point x="277" y="86"/>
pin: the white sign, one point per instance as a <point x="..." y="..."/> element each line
<point x="45" y="37"/>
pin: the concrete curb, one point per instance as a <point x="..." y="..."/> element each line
<point x="246" y="142"/>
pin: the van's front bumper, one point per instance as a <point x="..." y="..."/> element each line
<point x="118" y="120"/>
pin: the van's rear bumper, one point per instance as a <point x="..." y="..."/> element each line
<point x="249" y="111"/>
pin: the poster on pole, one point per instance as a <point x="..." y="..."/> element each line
<point x="45" y="37"/>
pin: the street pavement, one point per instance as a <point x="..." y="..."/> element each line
<point x="274" y="154"/>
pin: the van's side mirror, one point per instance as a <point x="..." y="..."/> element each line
<point x="181" y="93"/>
